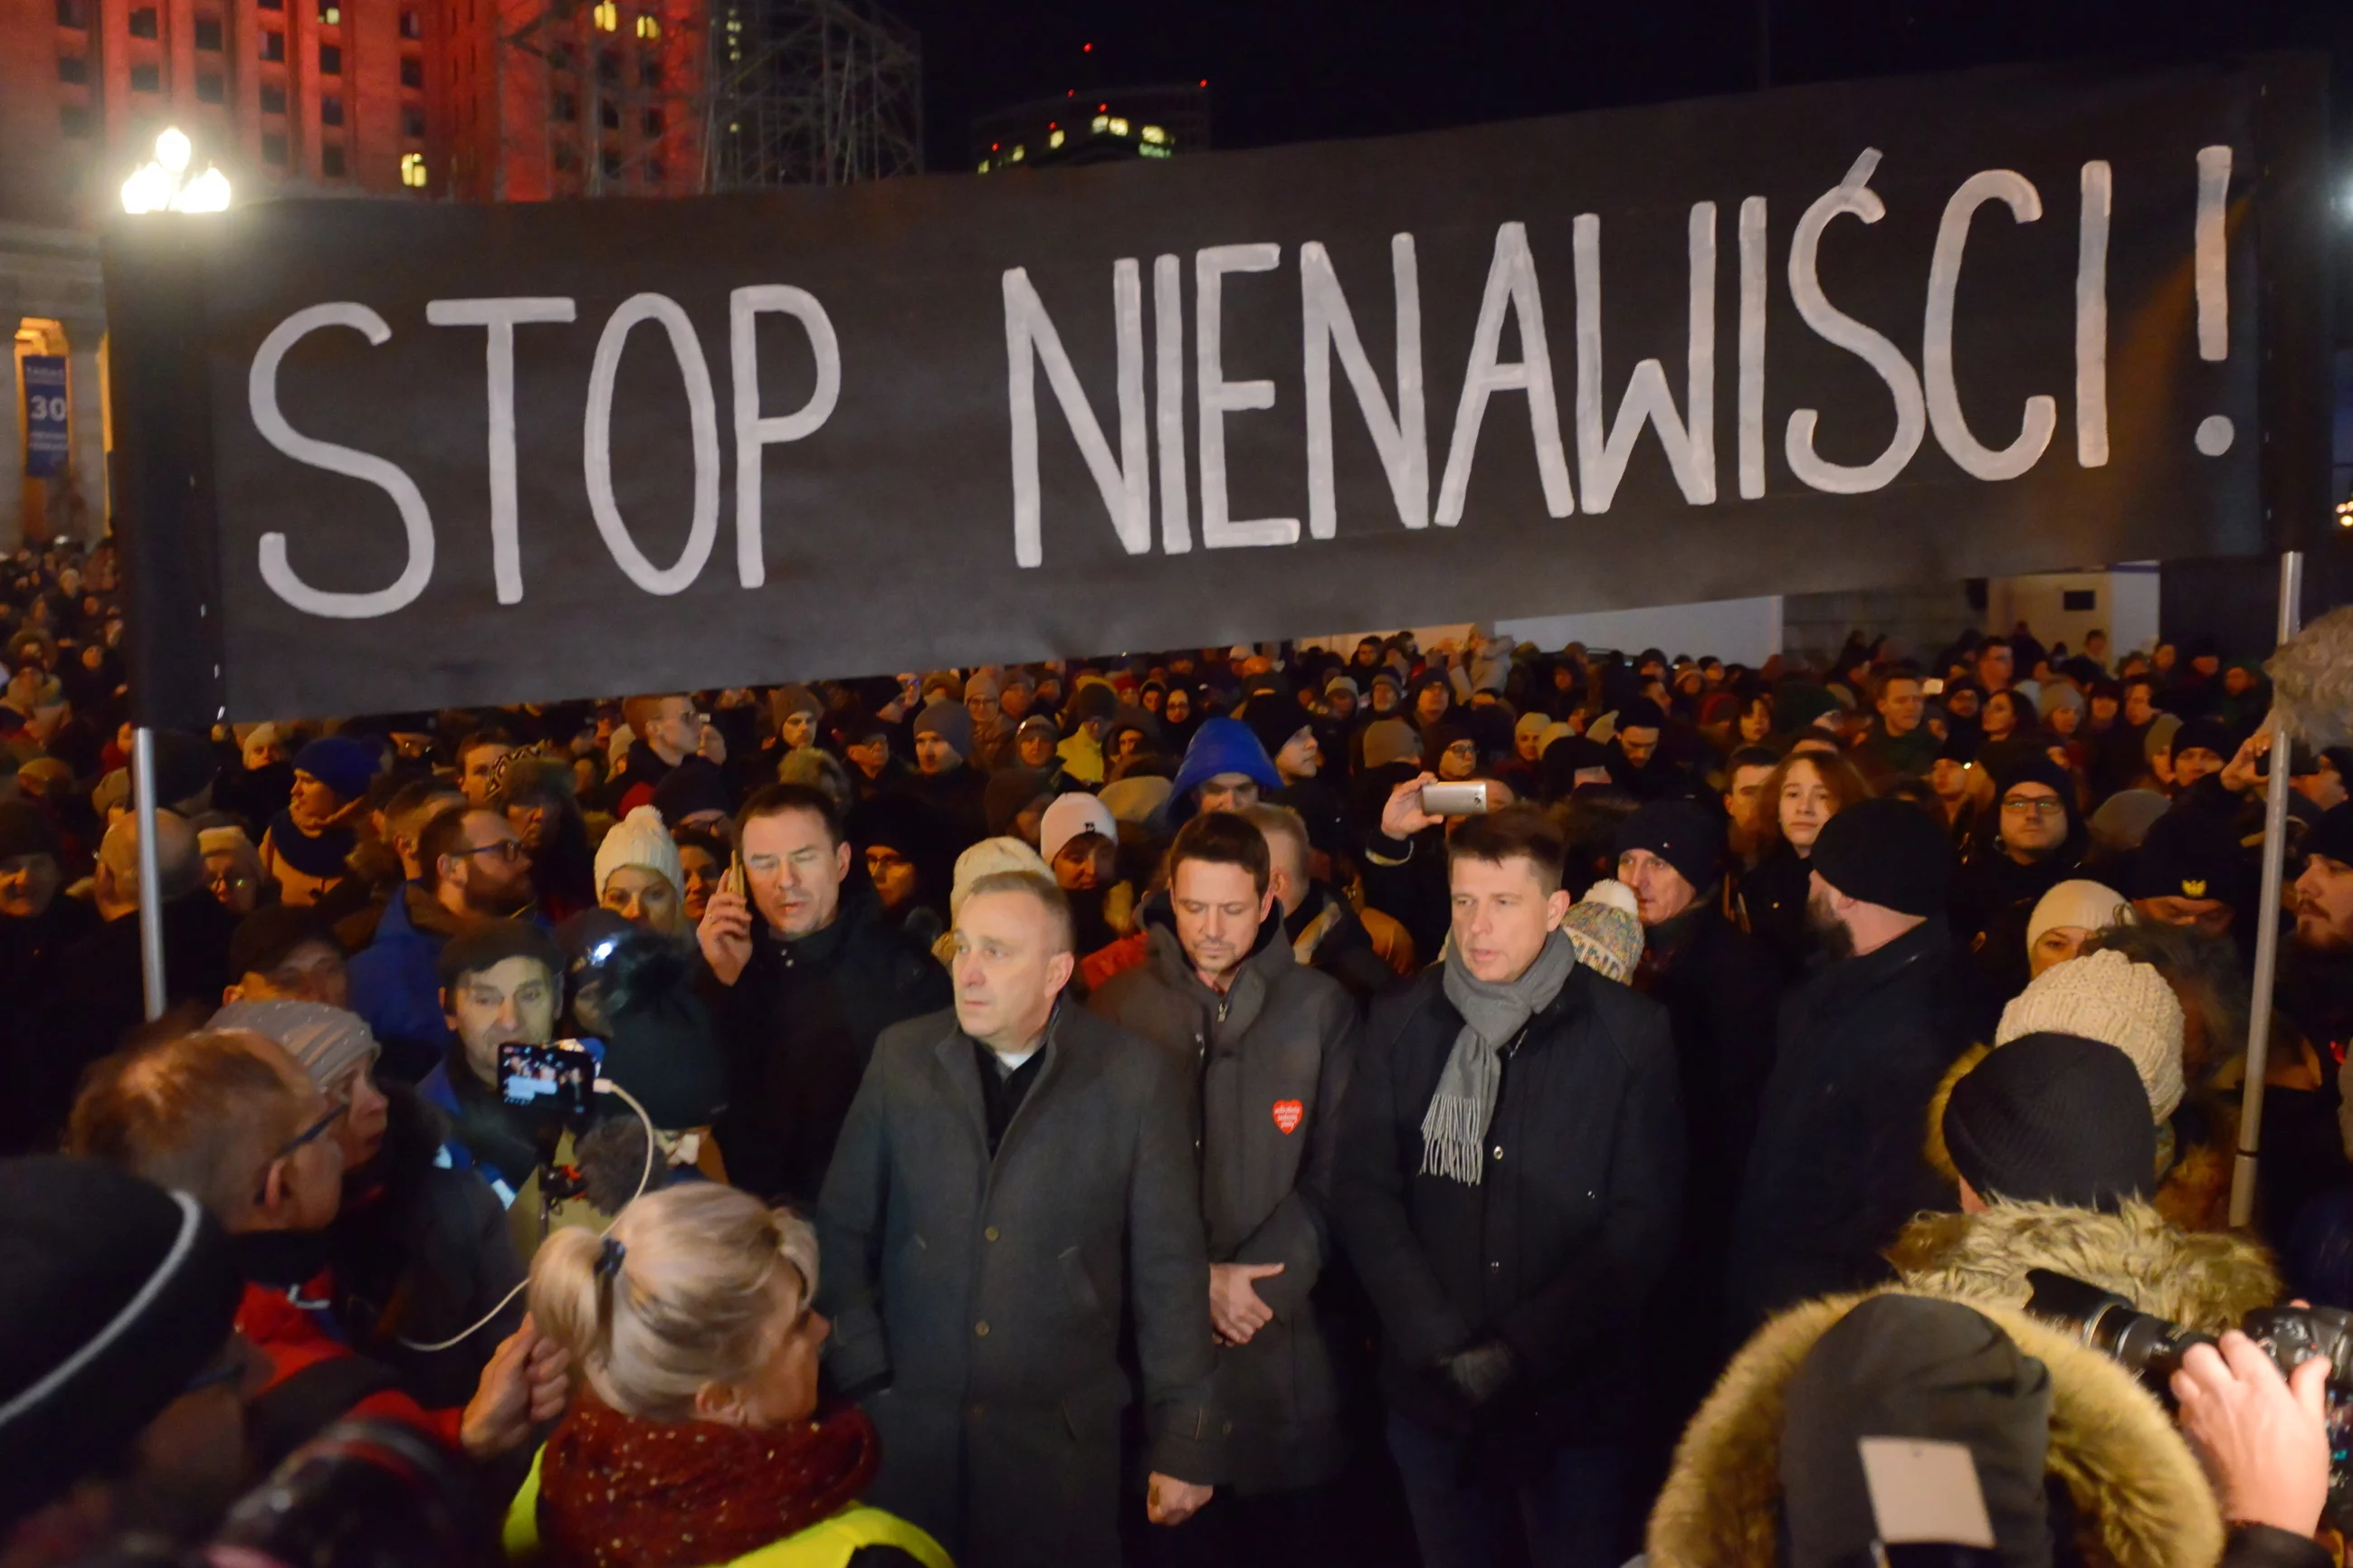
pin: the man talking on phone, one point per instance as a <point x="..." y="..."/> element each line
<point x="801" y="972"/>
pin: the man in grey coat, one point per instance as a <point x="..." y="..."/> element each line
<point x="1264" y="1045"/>
<point x="1007" y="1171"/>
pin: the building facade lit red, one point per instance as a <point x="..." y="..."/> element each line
<point x="471" y="100"/>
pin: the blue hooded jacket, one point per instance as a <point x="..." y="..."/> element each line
<point x="1221" y="745"/>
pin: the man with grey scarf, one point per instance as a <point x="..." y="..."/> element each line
<point x="1510" y="1173"/>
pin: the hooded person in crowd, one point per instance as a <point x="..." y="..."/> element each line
<point x="419" y="1252"/>
<point x="1013" y="1195"/>
<point x="638" y="875"/>
<point x="1836" y="1167"/>
<point x="123" y="1381"/>
<point x="801" y="972"/>
<point x="1265" y="1047"/>
<point x="472" y="867"/>
<point x="229" y="1118"/>
<point x="307" y="844"/>
<point x="700" y="1437"/>
<point x="1225" y="769"/>
<point x="1095" y="708"/>
<point x="1509" y="1071"/>
<point x="2032" y="841"/>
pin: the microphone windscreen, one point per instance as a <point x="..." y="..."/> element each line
<point x="2312" y="680"/>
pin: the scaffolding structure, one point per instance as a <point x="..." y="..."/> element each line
<point x="811" y="93"/>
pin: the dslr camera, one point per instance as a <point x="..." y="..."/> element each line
<point x="2151" y="1349"/>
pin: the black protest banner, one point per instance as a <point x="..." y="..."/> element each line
<point x="385" y="455"/>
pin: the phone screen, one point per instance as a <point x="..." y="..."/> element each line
<point x="557" y="1079"/>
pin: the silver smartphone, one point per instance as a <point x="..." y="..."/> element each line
<point x="1455" y="799"/>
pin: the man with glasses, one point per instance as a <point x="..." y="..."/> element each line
<point x="472" y="869"/>
<point x="229" y="1118"/>
<point x="2032" y="841"/>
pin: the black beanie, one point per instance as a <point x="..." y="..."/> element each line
<point x="116" y="1294"/>
<point x="1682" y="833"/>
<point x="2053" y="1119"/>
<point x="1639" y="713"/>
<point x="24" y="830"/>
<point x="1911" y="1366"/>
<point x="2191" y="854"/>
<point x="2332" y="836"/>
<point x="490" y="943"/>
<point x="2037" y="767"/>
<point x="1888" y="852"/>
<point x="2205" y="734"/>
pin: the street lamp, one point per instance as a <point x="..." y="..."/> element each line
<point x="163" y="184"/>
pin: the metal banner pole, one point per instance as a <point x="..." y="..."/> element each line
<point x="2267" y="923"/>
<point x="151" y="879"/>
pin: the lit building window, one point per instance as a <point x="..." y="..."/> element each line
<point x="412" y="170"/>
<point x="1016" y="154"/>
<point x="649" y="27"/>
<point x="1154" y="134"/>
<point x="1118" y="126"/>
<point x="1054" y="140"/>
<point x="984" y="165"/>
<point x="1101" y="121"/>
<point x="608" y="16"/>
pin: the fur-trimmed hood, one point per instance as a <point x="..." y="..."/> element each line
<point x="2141" y="1499"/>
<point x="2207" y="1281"/>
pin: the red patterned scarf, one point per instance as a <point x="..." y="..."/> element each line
<point x="618" y="1492"/>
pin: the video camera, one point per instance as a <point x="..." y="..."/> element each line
<point x="2151" y="1349"/>
<point x="553" y="1088"/>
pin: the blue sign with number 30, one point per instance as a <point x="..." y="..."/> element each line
<point x="46" y="432"/>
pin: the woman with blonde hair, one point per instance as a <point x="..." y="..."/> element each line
<point x="698" y="1441"/>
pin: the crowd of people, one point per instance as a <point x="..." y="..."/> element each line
<point x="1122" y="1109"/>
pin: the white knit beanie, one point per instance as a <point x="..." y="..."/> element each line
<point x="988" y="857"/>
<point x="2078" y="902"/>
<point x="2106" y="996"/>
<point x="640" y="839"/>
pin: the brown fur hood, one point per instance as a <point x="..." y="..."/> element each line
<point x="2207" y="1281"/>
<point x="2141" y="1499"/>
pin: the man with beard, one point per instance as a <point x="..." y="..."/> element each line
<point x="1836" y="1167"/>
<point x="2316" y="987"/>
<point x="472" y="868"/>
<point x="1636" y="765"/>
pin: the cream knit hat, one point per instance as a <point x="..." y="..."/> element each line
<point x="640" y="839"/>
<point x="988" y="857"/>
<point x="2106" y="996"/>
<point x="1606" y="927"/>
<point x="2084" y="904"/>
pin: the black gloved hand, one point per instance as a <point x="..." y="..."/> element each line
<point x="1480" y="1373"/>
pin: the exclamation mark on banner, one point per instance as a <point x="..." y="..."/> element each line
<point x="2215" y="431"/>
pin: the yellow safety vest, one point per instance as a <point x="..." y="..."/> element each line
<point x="827" y="1543"/>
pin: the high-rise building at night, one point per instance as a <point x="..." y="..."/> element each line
<point x="1094" y="125"/>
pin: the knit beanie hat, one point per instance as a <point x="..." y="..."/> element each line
<point x="326" y="1040"/>
<point x="116" y="1294"/>
<point x="2052" y="1117"/>
<point x="1342" y="683"/>
<point x="2108" y="997"/>
<point x="1912" y="1367"/>
<point x="1390" y="741"/>
<point x="2330" y="837"/>
<point x="1070" y="816"/>
<point x="981" y="684"/>
<point x="26" y="830"/>
<point x="788" y="701"/>
<point x="2205" y="735"/>
<point x="1386" y="677"/>
<point x="2159" y="738"/>
<point x="1093" y="699"/>
<point x="1886" y="852"/>
<point x="987" y="858"/>
<point x="943" y="683"/>
<point x="1532" y="724"/>
<point x="2079" y="903"/>
<point x="1135" y="799"/>
<point x="1557" y="730"/>
<point x="951" y="723"/>
<point x="640" y="839"/>
<point x="341" y="763"/>
<point x="2191" y="854"/>
<point x="1606" y="927"/>
<point x="1683" y="833"/>
<point x="1039" y="724"/>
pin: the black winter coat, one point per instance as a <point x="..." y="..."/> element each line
<point x="798" y="1026"/>
<point x="1267" y="1063"/>
<point x="1555" y="1250"/>
<point x="1836" y="1167"/>
<point x="987" y="1298"/>
<point x="1326" y="933"/>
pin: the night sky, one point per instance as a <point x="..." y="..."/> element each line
<point x="1290" y="70"/>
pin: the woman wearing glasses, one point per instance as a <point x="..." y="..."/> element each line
<point x="2033" y="840"/>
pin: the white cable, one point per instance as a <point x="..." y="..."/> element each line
<point x="645" y="1180"/>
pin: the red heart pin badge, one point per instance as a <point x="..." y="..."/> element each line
<point x="1288" y="1115"/>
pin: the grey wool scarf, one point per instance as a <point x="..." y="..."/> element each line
<point x="1456" y="1122"/>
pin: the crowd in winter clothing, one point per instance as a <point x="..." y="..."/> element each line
<point x="1122" y="1110"/>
